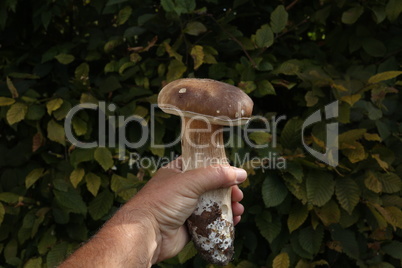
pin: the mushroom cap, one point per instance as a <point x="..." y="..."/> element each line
<point x="217" y="102"/>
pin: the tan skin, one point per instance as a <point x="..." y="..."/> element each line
<point x="150" y="227"/>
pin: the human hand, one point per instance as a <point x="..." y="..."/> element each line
<point x="150" y="227"/>
<point x="171" y="196"/>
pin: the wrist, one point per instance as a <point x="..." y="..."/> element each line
<point x="138" y="230"/>
<point x="130" y="237"/>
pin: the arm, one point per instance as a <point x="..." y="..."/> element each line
<point x="150" y="227"/>
<point x="123" y="242"/>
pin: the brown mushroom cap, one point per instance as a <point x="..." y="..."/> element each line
<point x="217" y="102"/>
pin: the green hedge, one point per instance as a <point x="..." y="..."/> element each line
<point x="291" y="57"/>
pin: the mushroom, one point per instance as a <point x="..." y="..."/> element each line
<point x="205" y="106"/>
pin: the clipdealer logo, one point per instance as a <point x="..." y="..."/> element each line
<point x="112" y="134"/>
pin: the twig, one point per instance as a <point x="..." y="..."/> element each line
<point x="236" y="40"/>
<point x="291" y="5"/>
<point x="286" y="32"/>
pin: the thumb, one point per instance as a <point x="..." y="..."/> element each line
<point x="209" y="178"/>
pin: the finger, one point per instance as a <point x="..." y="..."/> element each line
<point x="176" y="164"/>
<point x="237" y="208"/>
<point x="236" y="220"/>
<point x="202" y="180"/>
<point x="237" y="194"/>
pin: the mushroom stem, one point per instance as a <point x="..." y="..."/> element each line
<point x="211" y="224"/>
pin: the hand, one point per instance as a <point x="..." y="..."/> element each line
<point x="150" y="227"/>
<point x="171" y="196"/>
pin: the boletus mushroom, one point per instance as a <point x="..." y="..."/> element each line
<point x="205" y="106"/>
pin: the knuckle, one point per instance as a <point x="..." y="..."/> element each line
<point x="226" y="173"/>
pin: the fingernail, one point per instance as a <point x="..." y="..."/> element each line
<point x="241" y="175"/>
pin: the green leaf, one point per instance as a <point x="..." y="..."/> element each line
<point x="80" y="126"/>
<point x="100" y="205"/>
<point x="55" y="132"/>
<point x="168" y="5"/>
<point x="197" y="53"/>
<point x="114" y="2"/>
<point x="377" y="78"/>
<point x="35" y="112"/>
<point x="124" y="67"/>
<point x="81" y="155"/>
<point x="373" y="112"/>
<point x="310" y="240"/>
<point x="24" y="75"/>
<point x="351" y="15"/>
<point x="175" y="70"/>
<point x="274" y="191"/>
<point x="393" y="9"/>
<point x="281" y="261"/>
<point x="33" y="176"/>
<point x="76" y="176"/>
<point x="246" y="264"/>
<point x="264" y="37"/>
<point x="9" y="198"/>
<point x="195" y="28"/>
<point x="383" y="129"/>
<point x="71" y="201"/>
<point x="372" y="182"/>
<point x="355" y="153"/>
<point x="372" y="137"/>
<point x="124" y="15"/>
<point x="329" y="213"/>
<point x="65" y="58"/>
<point x="56" y="255"/>
<point x="394" y="249"/>
<point x="279" y="19"/>
<point x="13" y="90"/>
<point x="291" y="134"/>
<point x="392" y="215"/>
<point x="47" y="241"/>
<point x="348" y="193"/>
<point x="297" y="248"/>
<point x="53" y="105"/>
<point x="82" y="72"/>
<point x="352" y="99"/>
<point x="295" y="169"/>
<point x="172" y="53"/>
<point x="93" y="183"/>
<point x="374" y="47"/>
<point x="320" y="187"/>
<point x="187" y="252"/>
<point x="112" y="44"/>
<point x="209" y="53"/>
<point x="2" y="213"/>
<point x="268" y="229"/>
<point x="16" y="113"/>
<point x="104" y="157"/>
<point x="391" y="183"/>
<point x="297" y="216"/>
<point x="303" y="264"/>
<point x="349" y="137"/>
<point x="34" y="263"/>
<point x="260" y="137"/>
<point x="4" y="101"/>
<point x="123" y="187"/>
<point x="347" y="240"/>
<point x="185" y="6"/>
<point x="247" y="86"/>
<point x="264" y="88"/>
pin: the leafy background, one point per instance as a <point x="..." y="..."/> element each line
<point x="291" y="57"/>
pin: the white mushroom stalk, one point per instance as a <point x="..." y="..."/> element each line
<point x="205" y="106"/>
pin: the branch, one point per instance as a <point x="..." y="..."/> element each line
<point x="236" y="40"/>
<point x="291" y="5"/>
